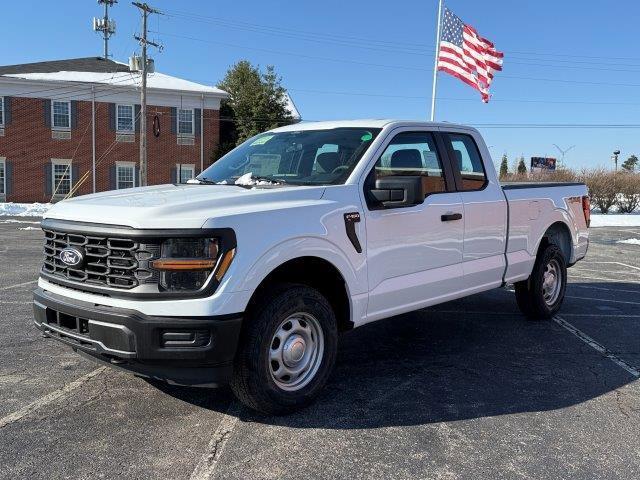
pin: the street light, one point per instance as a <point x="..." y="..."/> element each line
<point x="615" y="158"/>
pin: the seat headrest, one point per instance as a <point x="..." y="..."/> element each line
<point x="459" y="157"/>
<point x="328" y="161"/>
<point x="408" y="158"/>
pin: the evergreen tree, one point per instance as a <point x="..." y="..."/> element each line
<point x="257" y="102"/>
<point x="504" y="166"/>
<point x="630" y="163"/>
<point x="522" y="167"/>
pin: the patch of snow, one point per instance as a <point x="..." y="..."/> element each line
<point x="156" y="80"/>
<point x="615" y="220"/>
<point x="28" y="228"/>
<point x="248" y="180"/>
<point x="24" y="209"/>
<point x="630" y="241"/>
<point x="22" y="222"/>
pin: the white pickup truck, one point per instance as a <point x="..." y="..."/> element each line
<point x="248" y="274"/>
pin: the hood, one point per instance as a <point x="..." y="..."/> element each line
<point x="179" y="206"/>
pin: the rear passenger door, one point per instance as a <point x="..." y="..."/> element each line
<point x="414" y="253"/>
<point x="485" y="211"/>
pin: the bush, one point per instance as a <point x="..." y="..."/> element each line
<point x="603" y="188"/>
<point x="628" y="198"/>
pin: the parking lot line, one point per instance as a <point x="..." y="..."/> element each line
<point x="602" y="288"/>
<point x="8" y="287"/>
<point x="613" y="272"/>
<point x="610" y="280"/>
<point x="617" y="263"/>
<point x="604" y="300"/>
<point x="597" y="346"/>
<point x="49" y="398"/>
<point x="206" y="467"/>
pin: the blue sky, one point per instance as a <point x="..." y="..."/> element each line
<point x="357" y="59"/>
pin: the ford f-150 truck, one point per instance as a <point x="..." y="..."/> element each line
<point x="247" y="274"/>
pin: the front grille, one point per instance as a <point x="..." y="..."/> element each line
<point x="118" y="263"/>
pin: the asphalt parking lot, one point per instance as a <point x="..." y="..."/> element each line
<point x="468" y="389"/>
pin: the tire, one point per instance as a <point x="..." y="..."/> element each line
<point x="537" y="300"/>
<point x="292" y="329"/>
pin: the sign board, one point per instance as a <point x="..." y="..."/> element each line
<point x="540" y="164"/>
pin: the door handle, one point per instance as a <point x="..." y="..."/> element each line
<point x="449" y="217"/>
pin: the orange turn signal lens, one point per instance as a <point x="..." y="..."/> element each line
<point x="175" y="264"/>
<point x="225" y="263"/>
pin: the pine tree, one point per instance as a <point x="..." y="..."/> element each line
<point x="257" y="102"/>
<point x="522" y="167"/>
<point x="504" y="166"/>
<point x="630" y="163"/>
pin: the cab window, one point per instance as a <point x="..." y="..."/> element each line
<point x="467" y="161"/>
<point x="413" y="153"/>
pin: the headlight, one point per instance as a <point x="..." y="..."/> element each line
<point x="186" y="264"/>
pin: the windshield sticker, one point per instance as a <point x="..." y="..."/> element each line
<point x="261" y="140"/>
<point x="366" y="137"/>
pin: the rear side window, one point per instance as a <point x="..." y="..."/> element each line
<point x="413" y="153"/>
<point x="467" y="160"/>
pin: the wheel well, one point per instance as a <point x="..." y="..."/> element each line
<point x="558" y="234"/>
<point x="316" y="273"/>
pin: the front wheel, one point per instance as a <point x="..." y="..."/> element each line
<point x="287" y="350"/>
<point x="541" y="295"/>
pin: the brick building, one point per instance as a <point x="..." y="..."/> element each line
<point x="73" y="126"/>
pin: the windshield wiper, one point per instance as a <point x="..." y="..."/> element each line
<point x="277" y="181"/>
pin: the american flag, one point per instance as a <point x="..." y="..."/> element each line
<point x="466" y="55"/>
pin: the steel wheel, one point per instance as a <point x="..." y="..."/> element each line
<point x="551" y="282"/>
<point x="296" y="351"/>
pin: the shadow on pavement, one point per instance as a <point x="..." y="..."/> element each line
<point x="437" y="366"/>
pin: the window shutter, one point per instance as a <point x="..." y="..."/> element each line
<point x="174" y="175"/>
<point x="47" y="179"/>
<point x="8" y="178"/>
<point x="196" y="123"/>
<point x="174" y="120"/>
<point x="136" y="178"/>
<point x="74" y="113"/>
<point x="75" y="175"/>
<point x="47" y="114"/>
<point x="136" y="116"/>
<point x="7" y="110"/>
<point x="112" y="117"/>
<point x="112" y="178"/>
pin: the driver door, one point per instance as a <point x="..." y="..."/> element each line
<point x="414" y="253"/>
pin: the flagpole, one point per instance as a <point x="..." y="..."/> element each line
<point x="435" y="64"/>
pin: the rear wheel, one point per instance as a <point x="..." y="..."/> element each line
<point x="541" y="295"/>
<point x="287" y="350"/>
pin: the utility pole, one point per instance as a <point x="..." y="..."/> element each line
<point x="146" y="10"/>
<point x="105" y="25"/>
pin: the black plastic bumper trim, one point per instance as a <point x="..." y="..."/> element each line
<point x="133" y="341"/>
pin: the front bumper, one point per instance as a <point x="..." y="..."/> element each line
<point x="180" y="350"/>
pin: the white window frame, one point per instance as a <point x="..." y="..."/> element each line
<point x="2" y="112"/>
<point x="53" y="102"/>
<point x="65" y="162"/>
<point x="184" y="166"/>
<point x="3" y="164"/>
<point x="120" y="165"/>
<point x="193" y="122"/>
<point x="133" y="118"/>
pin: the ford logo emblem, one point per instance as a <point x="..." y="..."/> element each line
<point x="71" y="256"/>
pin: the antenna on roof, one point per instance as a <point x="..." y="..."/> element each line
<point x="105" y="25"/>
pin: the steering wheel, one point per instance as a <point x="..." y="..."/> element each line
<point x="340" y="169"/>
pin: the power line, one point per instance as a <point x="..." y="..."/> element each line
<point x="367" y="41"/>
<point x="395" y="67"/>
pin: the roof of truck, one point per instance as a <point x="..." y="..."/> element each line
<point x="365" y="123"/>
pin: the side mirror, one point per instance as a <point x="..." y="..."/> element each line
<point x="398" y="191"/>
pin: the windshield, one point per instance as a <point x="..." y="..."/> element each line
<point x="304" y="157"/>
